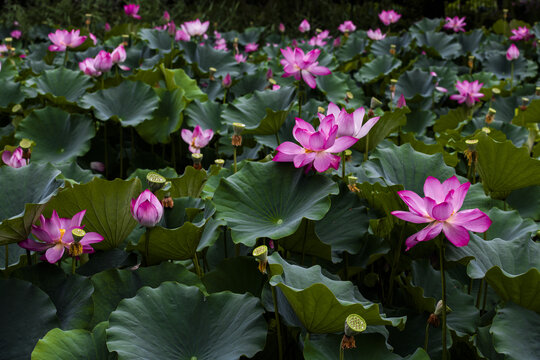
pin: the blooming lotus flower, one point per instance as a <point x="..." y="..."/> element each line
<point x="3" y="48"/>
<point x="146" y="209"/>
<point x="195" y="27"/>
<point x="281" y="27"/>
<point x="94" y="38"/>
<point x="240" y="58"/>
<point x="521" y="33"/>
<point x="456" y="23"/>
<point x="319" y="39"/>
<point x="181" y="35"/>
<point x="250" y="47"/>
<point x="317" y="147"/>
<point x="118" y="56"/>
<point x="440" y="207"/>
<point x="55" y="236"/>
<point x="221" y="44"/>
<point x="347" y="27"/>
<point x="469" y="93"/>
<point x="63" y="39"/>
<point x="512" y="53"/>
<point x="350" y="124"/>
<point x="303" y="66"/>
<point x="87" y="66"/>
<point x="103" y="61"/>
<point x="197" y="139"/>
<point x="389" y="17"/>
<point x="16" y="34"/>
<point x="14" y="159"/>
<point x="401" y="102"/>
<point x="132" y="10"/>
<point x="304" y="26"/>
<point x="375" y="34"/>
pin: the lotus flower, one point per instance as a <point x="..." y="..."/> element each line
<point x="250" y="47"/>
<point x="118" y="56"/>
<point x="303" y="66"/>
<point x="389" y="17"/>
<point x="16" y="34"/>
<point x="347" y="27"/>
<point x="304" y="26"/>
<point x="3" y="48"/>
<point x="103" y="61"/>
<point x="181" y="35"/>
<point x="166" y="16"/>
<point x="317" y="147"/>
<point x="14" y="159"/>
<point x="226" y="82"/>
<point x="375" y="34"/>
<point x="107" y="27"/>
<point x="63" y="39"/>
<point x="468" y="92"/>
<point x="221" y="44"/>
<point x="240" y="58"/>
<point x="94" y="38"/>
<point x="350" y="124"/>
<point x="55" y="236"/>
<point x="197" y="139"/>
<point x="281" y="27"/>
<point x="195" y="27"/>
<point x="132" y="10"/>
<point x="146" y="209"/>
<point x="456" y="23"/>
<point x="401" y="102"/>
<point x="521" y="33"/>
<point x="87" y="66"/>
<point x="319" y="39"/>
<point x="512" y="53"/>
<point x="440" y="207"/>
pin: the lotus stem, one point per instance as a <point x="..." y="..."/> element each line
<point x="147" y="245"/>
<point x="470" y="286"/>
<point x="511" y="75"/>
<point x="278" y="325"/>
<point x="479" y="293"/>
<point x="132" y="135"/>
<point x="426" y="337"/>
<point x="196" y="264"/>
<point x="367" y="147"/>
<point x="66" y="55"/>
<point x="443" y="285"/>
<point x="7" y="256"/>
<point x="346" y="270"/>
<point x="121" y="151"/>
<point x="395" y="266"/>
<point x="173" y="155"/>
<point x="485" y="296"/>
<point x="73" y="265"/>
<point x="343" y="165"/>
<point x="299" y="97"/>
<point x="304" y="242"/>
<point x="106" y="152"/>
<point x="28" y="257"/>
<point x="277" y="139"/>
<point x="234" y="159"/>
<point x="225" y="96"/>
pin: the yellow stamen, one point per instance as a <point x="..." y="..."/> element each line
<point x="62" y="232"/>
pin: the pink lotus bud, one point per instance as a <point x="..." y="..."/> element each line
<point x="269" y="74"/>
<point x="276" y="87"/>
<point x="401" y="102"/>
<point x="171" y="28"/>
<point x="304" y="26"/>
<point x="166" y="16"/>
<point x="16" y="34"/>
<point x="132" y="10"/>
<point x="281" y="27"/>
<point x="512" y="53"/>
<point x="94" y="38"/>
<point x="103" y="61"/>
<point x="107" y="27"/>
<point x="146" y="209"/>
<point x="14" y="159"/>
<point x="227" y="81"/>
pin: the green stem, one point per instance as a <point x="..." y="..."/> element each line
<point x="304" y="242"/>
<point x="277" y="139"/>
<point x="395" y="265"/>
<point x="485" y="297"/>
<point x="225" y="96"/>
<point x="106" y="151"/>
<point x="196" y="264"/>
<point x="426" y="337"/>
<point x="511" y="76"/>
<point x="147" y="245"/>
<point x="121" y="151"/>
<point x="234" y="159"/>
<point x="367" y="147"/>
<point x="299" y="97"/>
<point x="73" y="265"/>
<point x="66" y="55"/>
<point x="28" y="258"/>
<point x="173" y="154"/>
<point x="278" y="325"/>
<point x="443" y="284"/>
<point x="343" y="165"/>
<point x="479" y="293"/>
<point x="7" y="256"/>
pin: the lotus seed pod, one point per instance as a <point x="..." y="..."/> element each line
<point x="354" y="324"/>
<point x="155" y="181"/>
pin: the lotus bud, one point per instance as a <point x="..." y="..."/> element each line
<point x="470" y="153"/>
<point x="392" y="50"/>
<point x="490" y="116"/>
<point x="125" y="40"/>
<point x="211" y="72"/>
<point x="439" y="308"/>
<point x="281" y="27"/>
<point x="197" y="160"/>
<point x="354" y="324"/>
<point x="269" y="74"/>
<point x="219" y="162"/>
<point x="226" y="83"/>
<point x="470" y="62"/>
<point x="155" y="181"/>
<point x="146" y="209"/>
<point x="76" y="248"/>
<point x="401" y="101"/>
<point x="237" y="136"/>
<point x="261" y="254"/>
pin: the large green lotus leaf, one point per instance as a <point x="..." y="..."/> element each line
<point x="368" y="346"/>
<point x="334" y="87"/>
<point x="113" y="285"/>
<point x="471" y="41"/>
<point x="27" y="315"/>
<point x="528" y="116"/>
<point x="179" y="322"/>
<point x="402" y="165"/>
<point x="74" y="345"/>
<point x="73" y="173"/>
<point x="270" y="200"/>
<point x="178" y="78"/>
<point x="205" y="114"/>
<point x="190" y="184"/>
<point x="130" y="102"/>
<point x="263" y="113"/>
<point x="206" y="57"/>
<point x="157" y="39"/>
<point x="526" y="201"/>
<point x="59" y="135"/>
<point x="451" y="120"/>
<point x="378" y="68"/>
<point x="444" y="45"/>
<point x="23" y="195"/>
<point x="508" y="225"/>
<point x="166" y="119"/>
<point x="62" y="83"/>
<point x="246" y="84"/>
<point x="11" y="92"/>
<point x="504" y="167"/>
<point x="382" y="47"/>
<point x="306" y="242"/>
<point x="107" y="208"/>
<point x="16" y="255"/>
<point x="451" y="159"/>
<point x="239" y="275"/>
<point x="425" y="25"/>
<point x="510" y="267"/>
<point x="9" y="70"/>
<point x="387" y="124"/>
<point x="516" y="332"/>
<point x="168" y="173"/>
<point x="415" y="83"/>
<point x="345" y="223"/>
<point x="498" y="64"/>
<point x="484" y="344"/>
<point x="321" y="303"/>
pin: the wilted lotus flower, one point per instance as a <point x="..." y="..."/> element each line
<point x="347" y="27"/>
<point x="55" y="235"/>
<point x="469" y="93"/>
<point x="521" y="33"/>
<point x="304" y="26"/>
<point x="197" y="139"/>
<point x="389" y="17"/>
<point x="195" y="27"/>
<point x="103" y="61"/>
<point x="63" y="39"/>
<point x="375" y="34"/>
<point x="350" y="124"/>
<point x="132" y="10"/>
<point x="512" y="53"/>
<point x="240" y="58"/>
<point x="251" y="47"/>
<point x="303" y="66"/>
<point x="87" y="66"/>
<point x="16" y="34"/>
<point x="457" y="24"/>
<point x="146" y="209"/>
<point x="440" y="207"/>
<point x="14" y="159"/>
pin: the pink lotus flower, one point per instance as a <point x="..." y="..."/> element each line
<point x="281" y="27"/>
<point x="94" y="38"/>
<point x="221" y="44"/>
<point x="132" y="10"/>
<point x="347" y="27"/>
<point x="275" y="87"/>
<point x="181" y="35"/>
<point x="197" y="139"/>
<point x="87" y="66"/>
<point x="146" y="209"/>
<point x="97" y="166"/>
<point x="226" y="83"/>
<point x="512" y="53"/>
<point x="103" y="61"/>
<point x="336" y="42"/>
<point x="166" y="16"/>
<point x="401" y="102"/>
<point x="389" y="17"/>
<point x="3" y="48"/>
<point x="304" y="26"/>
<point x="303" y="66"/>
<point x="55" y="236"/>
<point x="14" y="159"/>
<point x="375" y="34"/>
<point x="240" y="58"/>
<point x="456" y="23"/>
<point x="107" y="27"/>
<point x="319" y="39"/>
<point x="440" y="207"/>
<point x="318" y="147"/>
<point x="63" y="39"/>
<point x="350" y="124"/>
<point x="118" y="56"/>
<point x="441" y="89"/>
<point x="16" y="34"/>
<point x="250" y="47"/>
<point x="521" y="33"/>
<point x="469" y="93"/>
<point x="195" y="27"/>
